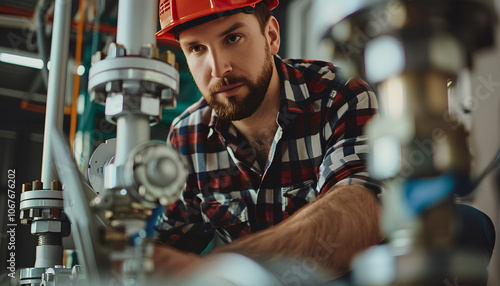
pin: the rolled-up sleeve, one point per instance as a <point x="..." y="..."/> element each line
<point x="345" y="160"/>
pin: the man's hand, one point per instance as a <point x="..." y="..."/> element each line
<point x="172" y="262"/>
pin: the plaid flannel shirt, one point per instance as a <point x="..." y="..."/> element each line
<point x="319" y="143"/>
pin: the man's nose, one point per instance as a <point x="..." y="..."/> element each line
<point x="220" y="64"/>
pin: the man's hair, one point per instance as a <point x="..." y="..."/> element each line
<point x="262" y="12"/>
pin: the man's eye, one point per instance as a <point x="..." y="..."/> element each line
<point x="195" y="49"/>
<point x="233" y="38"/>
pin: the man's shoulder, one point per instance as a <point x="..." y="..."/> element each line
<point x="315" y="71"/>
<point x="305" y="64"/>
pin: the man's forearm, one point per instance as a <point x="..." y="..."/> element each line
<point x="330" y="230"/>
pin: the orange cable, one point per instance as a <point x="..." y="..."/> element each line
<point x="76" y="78"/>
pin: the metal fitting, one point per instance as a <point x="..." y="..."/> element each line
<point x="168" y="98"/>
<point x="97" y="57"/>
<point x="115" y="105"/>
<point x="48" y="277"/>
<point x="30" y="276"/>
<point x="149" y="51"/>
<point x="50" y="226"/>
<point x="116" y="50"/>
<point x="113" y="86"/>
<point x="26" y="187"/>
<point x="169" y="58"/>
<point x="150" y="106"/>
<point x="155" y="174"/>
<point x="55" y="185"/>
<point x="120" y="104"/>
<point x="97" y="97"/>
<point x="37" y="185"/>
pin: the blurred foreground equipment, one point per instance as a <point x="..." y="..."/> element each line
<point x="411" y="50"/>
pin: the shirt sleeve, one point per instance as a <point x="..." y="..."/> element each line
<point x="181" y="226"/>
<point x="347" y="148"/>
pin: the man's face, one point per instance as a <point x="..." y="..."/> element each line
<point x="231" y="63"/>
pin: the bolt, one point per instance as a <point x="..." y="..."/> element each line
<point x="164" y="201"/>
<point x="49" y="239"/>
<point x="55" y="212"/>
<point x="25" y="217"/>
<point x="116" y="50"/>
<point x="98" y="56"/>
<point x="34" y="213"/>
<point x="142" y="190"/>
<point x="149" y="85"/>
<point x="113" y="86"/>
<point x="167" y="98"/>
<point x="149" y="51"/>
<point x="55" y="185"/>
<point x="168" y="57"/>
<point x="26" y="187"/>
<point x="49" y="277"/>
<point x="97" y="97"/>
<point x="37" y="185"/>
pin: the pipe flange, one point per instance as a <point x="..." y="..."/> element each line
<point x="102" y="157"/>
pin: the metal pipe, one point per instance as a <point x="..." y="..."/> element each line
<point x="48" y="255"/>
<point x="137" y="23"/>
<point x="57" y="83"/>
<point x="43" y="7"/>
<point x="131" y="130"/>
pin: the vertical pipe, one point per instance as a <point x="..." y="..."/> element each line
<point x="137" y="24"/>
<point x="57" y="83"/>
<point x="131" y="130"/>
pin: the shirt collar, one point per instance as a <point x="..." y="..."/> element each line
<point x="294" y="92"/>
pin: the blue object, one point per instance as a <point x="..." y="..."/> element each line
<point x="149" y="230"/>
<point x="421" y="194"/>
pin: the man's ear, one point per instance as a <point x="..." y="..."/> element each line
<point x="273" y="35"/>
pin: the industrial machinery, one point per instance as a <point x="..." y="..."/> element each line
<point x="422" y="158"/>
<point x="131" y="177"/>
<point x="412" y="51"/>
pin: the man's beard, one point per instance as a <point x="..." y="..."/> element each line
<point x="240" y="107"/>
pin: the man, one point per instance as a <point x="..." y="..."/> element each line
<point x="269" y="137"/>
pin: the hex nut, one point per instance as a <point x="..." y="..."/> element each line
<point x="116" y="50"/>
<point x="97" y="57"/>
<point x="44" y="226"/>
<point x="149" y="51"/>
<point x="97" y="97"/>
<point x="37" y="185"/>
<point x="150" y="106"/>
<point x="113" y="86"/>
<point x="55" y="185"/>
<point x="26" y="187"/>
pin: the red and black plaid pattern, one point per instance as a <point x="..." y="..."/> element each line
<point x="319" y="143"/>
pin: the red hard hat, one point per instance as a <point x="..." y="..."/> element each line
<point x="177" y="12"/>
